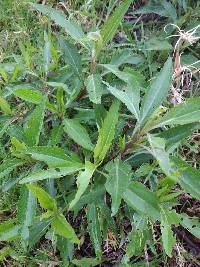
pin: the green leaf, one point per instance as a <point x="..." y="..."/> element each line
<point x="87" y="262"/>
<point x="63" y="228"/>
<point x="136" y="245"/>
<point x="83" y="181"/>
<point x="181" y="114"/>
<point x="141" y="199"/>
<point x="130" y="97"/>
<point x="34" y="125"/>
<point x="47" y="53"/>
<point x="78" y="133"/>
<point x="72" y="28"/>
<point x="94" y="228"/>
<point x="117" y="182"/>
<point x="124" y="76"/>
<point x="9" y="230"/>
<point x="106" y="133"/>
<point x="176" y="134"/>
<point x="111" y="25"/>
<point x="94" y="87"/>
<point x="157" y="92"/>
<point x="191" y="224"/>
<point x="66" y="249"/>
<point x="31" y="95"/>
<point x="5" y="107"/>
<point x="168" y="239"/>
<point x="158" y="151"/>
<point x="189" y="178"/>
<point x="51" y="173"/>
<point x="71" y="57"/>
<point x="37" y="230"/>
<point x="9" y="165"/>
<point x="26" y="213"/>
<point x="52" y="156"/>
<point x="45" y="200"/>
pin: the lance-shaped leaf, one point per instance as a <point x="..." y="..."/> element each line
<point x="191" y="224"/>
<point x="94" y="228"/>
<point x="130" y="97"/>
<point x="72" y="28"/>
<point x="71" y="57"/>
<point x="137" y="242"/>
<point x="106" y="133"/>
<point x="26" y="213"/>
<point x="141" y="199"/>
<point x="9" y="230"/>
<point x="63" y="228"/>
<point x="78" y="133"/>
<point x="117" y="182"/>
<point x="52" y="156"/>
<point x="83" y="181"/>
<point x="124" y="76"/>
<point x="37" y="230"/>
<point x="158" y="151"/>
<point x="157" y="92"/>
<point x="4" y="106"/>
<point x="94" y="87"/>
<point x="185" y="113"/>
<point x="34" y="124"/>
<point x="189" y="178"/>
<point x="167" y="219"/>
<point x="31" y="95"/>
<point x="51" y="173"/>
<point x="176" y="134"/>
<point x="9" y="165"/>
<point x="111" y="25"/>
<point x="45" y="200"/>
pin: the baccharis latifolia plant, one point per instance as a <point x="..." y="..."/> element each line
<point x="85" y="134"/>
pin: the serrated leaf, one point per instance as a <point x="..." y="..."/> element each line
<point x="87" y="262"/>
<point x="158" y="151"/>
<point x="45" y="200"/>
<point x="51" y="173"/>
<point x="63" y="228"/>
<point x="94" y="228"/>
<point x="71" y="57"/>
<point x="66" y="249"/>
<point x="191" y="224"/>
<point x="83" y="181"/>
<point x="130" y="97"/>
<point x="181" y="114"/>
<point x="167" y="219"/>
<point x="78" y="133"/>
<point x="189" y="177"/>
<point x="47" y="53"/>
<point x="124" y="76"/>
<point x="31" y="95"/>
<point x="5" y="107"/>
<point x="34" y="124"/>
<point x="106" y="133"/>
<point x="117" y="182"/>
<point x="137" y="242"/>
<point x="37" y="230"/>
<point x="52" y="156"/>
<point x="72" y="28"/>
<point x="26" y="213"/>
<point x="94" y="87"/>
<point x="177" y="134"/>
<point x="111" y="25"/>
<point x="141" y="199"/>
<point x="157" y="92"/>
<point x="9" y="230"/>
<point x="8" y="165"/>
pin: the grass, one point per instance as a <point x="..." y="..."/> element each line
<point x="89" y="176"/>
